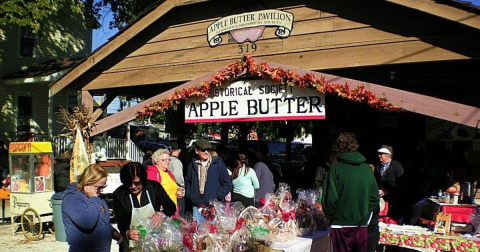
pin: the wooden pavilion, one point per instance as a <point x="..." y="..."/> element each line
<point x="422" y="55"/>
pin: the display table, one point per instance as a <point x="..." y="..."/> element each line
<point x="430" y="242"/>
<point x="4" y="195"/>
<point x="459" y="212"/>
<point x="300" y="244"/>
<point x="319" y="241"/>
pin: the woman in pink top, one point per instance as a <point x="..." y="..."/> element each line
<point x="159" y="172"/>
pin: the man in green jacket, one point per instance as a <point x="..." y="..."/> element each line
<point x="350" y="196"/>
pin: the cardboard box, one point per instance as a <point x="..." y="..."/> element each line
<point x="461" y="227"/>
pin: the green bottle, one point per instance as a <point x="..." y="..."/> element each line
<point x="142" y="230"/>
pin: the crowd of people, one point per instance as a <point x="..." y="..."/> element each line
<point x="157" y="188"/>
<point x="352" y="191"/>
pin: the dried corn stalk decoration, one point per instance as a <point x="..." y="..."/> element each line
<point x="79" y="118"/>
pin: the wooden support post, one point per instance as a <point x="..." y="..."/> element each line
<point x="99" y="111"/>
<point x="224" y="133"/>
<point x="288" y="145"/>
<point x="319" y="143"/>
<point x="87" y="99"/>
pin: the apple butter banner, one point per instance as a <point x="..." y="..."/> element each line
<point x="256" y="100"/>
<point x="250" y="26"/>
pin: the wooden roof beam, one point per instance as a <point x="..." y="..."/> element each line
<point x="413" y="102"/>
<point x="443" y="11"/>
<point x="114" y="44"/>
<point x="129" y="114"/>
<point x="99" y="111"/>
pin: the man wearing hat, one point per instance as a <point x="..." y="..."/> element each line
<point x="389" y="174"/>
<point x="207" y="179"/>
<point x="176" y="167"/>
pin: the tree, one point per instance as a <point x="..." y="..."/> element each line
<point x="32" y="13"/>
<point x="125" y="11"/>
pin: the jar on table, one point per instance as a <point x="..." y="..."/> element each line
<point x="447" y="198"/>
<point x="455" y="198"/>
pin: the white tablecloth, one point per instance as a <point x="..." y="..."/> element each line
<point x="300" y="244"/>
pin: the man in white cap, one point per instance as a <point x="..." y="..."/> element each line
<point x="389" y="174"/>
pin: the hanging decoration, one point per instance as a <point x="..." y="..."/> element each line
<point x="248" y="66"/>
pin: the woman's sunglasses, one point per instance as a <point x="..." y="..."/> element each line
<point x="136" y="183"/>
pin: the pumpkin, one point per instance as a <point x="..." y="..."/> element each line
<point x="452" y="189"/>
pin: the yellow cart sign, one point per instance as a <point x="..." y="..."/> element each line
<point x="30" y="147"/>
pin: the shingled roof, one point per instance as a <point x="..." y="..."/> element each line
<point x="46" y="68"/>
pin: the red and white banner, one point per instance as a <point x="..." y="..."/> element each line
<point x="256" y="100"/>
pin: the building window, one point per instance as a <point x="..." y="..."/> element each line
<point x="72" y="101"/>
<point x="25" y="113"/>
<point x="25" y="106"/>
<point x="27" y="42"/>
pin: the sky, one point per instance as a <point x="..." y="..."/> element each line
<point x="100" y="37"/>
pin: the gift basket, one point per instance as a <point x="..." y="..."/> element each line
<point x="309" y="213"/>
<point x="278" y="211"/>
<point x="304" y="213"/>
<point x="165" y="238"/>
<point x="229" y="227"/>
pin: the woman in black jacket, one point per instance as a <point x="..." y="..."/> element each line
<point x="138" y="198"/>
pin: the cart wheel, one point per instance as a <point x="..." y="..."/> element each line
<point x="51" y="227"/>
<point x="31" y="224"/>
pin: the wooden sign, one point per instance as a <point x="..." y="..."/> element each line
<point x="442" y="223"/>
<point x="250" y="26"/>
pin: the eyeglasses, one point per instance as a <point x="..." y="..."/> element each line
<point x="100" y="187"/>
<point x="136" y="183"/>
<point x="204" y="150"/>
<point x="166" y="160"/>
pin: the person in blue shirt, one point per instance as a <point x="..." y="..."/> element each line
<point x="244" y="181"/>
<point x="86" y="216"/>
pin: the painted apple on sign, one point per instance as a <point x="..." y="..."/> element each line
<point x="251" y="34"/>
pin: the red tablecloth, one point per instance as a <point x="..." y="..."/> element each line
<point x="460" y="213"/>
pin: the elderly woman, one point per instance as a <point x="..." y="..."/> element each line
<point x="85" y="215"/>
<point x="159" y="172"/>
<point x="138" y="198"/>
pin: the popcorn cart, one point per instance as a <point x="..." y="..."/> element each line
<point x="31" y="187"/>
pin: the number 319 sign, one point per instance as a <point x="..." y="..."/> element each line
<point x="247" y="48"/>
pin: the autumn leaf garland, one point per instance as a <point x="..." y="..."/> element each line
<point x="289" y="77"/>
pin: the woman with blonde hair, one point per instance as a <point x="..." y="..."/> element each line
<point x="86" y="216"/>
<point x="160" y="173"/>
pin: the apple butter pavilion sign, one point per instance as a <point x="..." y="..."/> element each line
<point x="250" y="26"/>
<point x="256" y="100"/>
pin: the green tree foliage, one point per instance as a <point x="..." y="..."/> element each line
<point x="32" y="13"/>
<point x="125" y="11"/>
